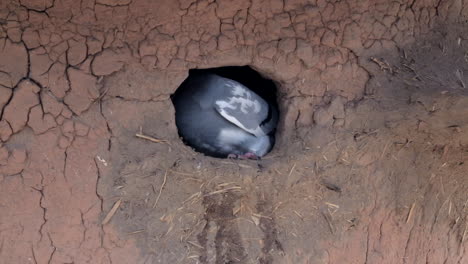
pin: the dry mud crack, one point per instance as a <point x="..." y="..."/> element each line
<point x="369" y="166"/>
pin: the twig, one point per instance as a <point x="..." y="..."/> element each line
<point x="111" y="212"/>
<point x="382" y="64"/>
<point x="332" y="205"/>
<point x="136" y="232"/>
<point x="291" y="171"/>
<point x="151" y="138"/>
<point x="195" y="244"/>
<point x="384" y="150"/>
<point x="329" y="221"/>
<point x="459" y="75"/>
<point x="300" y="216"/>
<point x="160" y="190"/>
<point x="198" y="194"/>
<point x="410" y="213"/>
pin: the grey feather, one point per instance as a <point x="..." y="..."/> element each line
<point x="220" y="116"/>
<point x="241" y="106"/>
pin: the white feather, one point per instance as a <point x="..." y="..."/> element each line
<point x="238" y="90"/>
<point x="260" y="146"/>
<point x="228" y="137"/>
<point x="244" y="103"/>
<point x="231" y="136"/>
<point x="257" y="131"/>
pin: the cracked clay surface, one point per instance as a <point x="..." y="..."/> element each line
<point x="371" y="155"/>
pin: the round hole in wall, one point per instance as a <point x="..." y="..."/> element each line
<point x="227" y="112"/>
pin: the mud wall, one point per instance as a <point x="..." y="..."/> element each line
<point x="78" y="78"/>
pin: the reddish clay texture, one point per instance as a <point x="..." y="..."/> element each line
<point x="371" y="155"/>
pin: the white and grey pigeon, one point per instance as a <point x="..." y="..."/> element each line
<point x="222" y="118"/>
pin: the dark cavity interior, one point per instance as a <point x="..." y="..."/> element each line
<point x="245" y="75"/>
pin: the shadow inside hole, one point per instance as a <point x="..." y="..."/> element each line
<point x="245" y="75"/>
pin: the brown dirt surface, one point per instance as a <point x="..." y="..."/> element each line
<point x="371" y="159"/>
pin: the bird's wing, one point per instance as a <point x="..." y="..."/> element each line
<point x="242" y="107"/>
